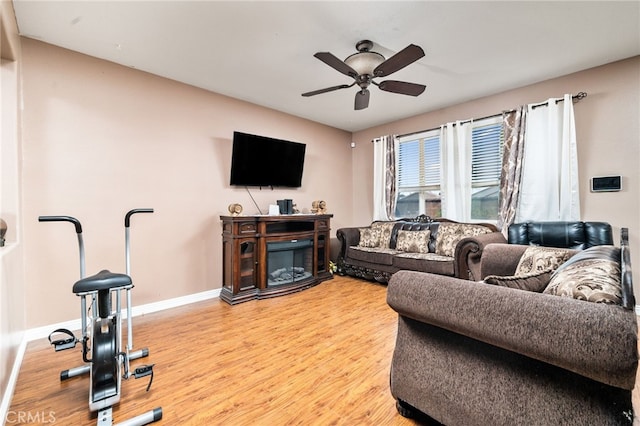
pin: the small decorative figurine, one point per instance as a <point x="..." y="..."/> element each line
<point x="319" y="207"/>
<point x="235" y="209"/>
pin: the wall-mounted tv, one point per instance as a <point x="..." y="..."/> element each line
<point x="262" y="161"/>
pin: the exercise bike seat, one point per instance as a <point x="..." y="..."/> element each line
<point x="103" y="280"/>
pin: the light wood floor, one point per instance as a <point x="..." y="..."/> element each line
<point x="318" y="357"/>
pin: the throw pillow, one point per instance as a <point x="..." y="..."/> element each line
<point x="535" y="281"/>
<point x="413" y="241"/>
<point x="369" y="237"/>
<point x="592" y="275"/>
<point x="537" y="259"/>
<point x="385" y="229"/>
<point x="449" y="234"/>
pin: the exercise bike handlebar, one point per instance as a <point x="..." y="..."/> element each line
<point x="73" y="220"/>
<point x="78" y="227"/>
<point x="127" y="217"/>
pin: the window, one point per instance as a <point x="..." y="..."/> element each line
<point x="486" y="163"/>
<point x="419" y="170"/>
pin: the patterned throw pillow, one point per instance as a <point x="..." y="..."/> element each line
<point x="413" y="241"/>
<point x="592" y="275"/>
<point x="369" y="237"/>
<point x="592" y="280"/>
<point x="535" y="281"/>
<point x="537" y="259"/>
<point x="385" y="229"/>
<point x="449" y="234"/>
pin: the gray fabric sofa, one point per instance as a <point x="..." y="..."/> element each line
<point x="471" y="353"/>
<point x="396" y="246"/>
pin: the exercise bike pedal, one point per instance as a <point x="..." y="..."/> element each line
<point x="143" y="371"/>
<point x="63" y="344"/>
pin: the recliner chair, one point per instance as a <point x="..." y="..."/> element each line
<point x="562" y="234"/>
<point x="573" y="235"/>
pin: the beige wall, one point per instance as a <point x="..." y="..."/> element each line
<point x="100" y="139"/>
<point x="608" y="133"/>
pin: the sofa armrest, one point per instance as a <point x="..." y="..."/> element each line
<point x="500" y="259"/>
<point x="348" y="237"/>
<point x="468" y="253"/>
<point x="594" y="340"/>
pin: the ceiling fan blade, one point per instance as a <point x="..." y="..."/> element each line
<point x="328" y="89"/>
<point x="362" y="99"/>
<point x="402" y="87"/>
<point x="336" y="64"/>
<point x="406" y="56"/>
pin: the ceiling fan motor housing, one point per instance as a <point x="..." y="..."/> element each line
<point x="364" y="45"/>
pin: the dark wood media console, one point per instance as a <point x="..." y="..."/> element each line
<point x="269" y="256"/>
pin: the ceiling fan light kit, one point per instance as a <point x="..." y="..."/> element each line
<point x="365" y="65"/>
<point x="365" y="61"/>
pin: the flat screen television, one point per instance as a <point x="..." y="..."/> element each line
<point x="262" y="161"/>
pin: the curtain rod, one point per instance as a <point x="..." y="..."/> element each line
<point x="576" y="98"/>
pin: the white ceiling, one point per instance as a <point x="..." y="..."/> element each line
<point x="262" y="51"/>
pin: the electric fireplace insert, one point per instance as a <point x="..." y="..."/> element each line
<point x="289" y="262"/>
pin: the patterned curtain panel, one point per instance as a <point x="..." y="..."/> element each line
<point x="390" y="176"/>
<point x="384" y="178"/>
<point x="514" y="124"/>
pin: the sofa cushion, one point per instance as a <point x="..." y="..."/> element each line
<point x="538" y="259"/>
<point x="369" y="237"/>
<point x="413" y="241"/>
<point x="449" y="234"/>
<point x="385" y="229"/>
<point x="425" y="262"/>
<point x="535" y="281"/>
<point x="379" y="255"/>
<point x="592" y="275"/>
<point x="414" y="226"/>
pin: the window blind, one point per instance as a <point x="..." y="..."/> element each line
<point x="419" y="162"/>
<point x="486" y="154"/>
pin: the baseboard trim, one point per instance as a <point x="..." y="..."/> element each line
<point x="637" y="309"/>
<point x="42" y="332"/>
<point x="13" y="379"/>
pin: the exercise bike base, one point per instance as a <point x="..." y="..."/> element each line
<point x="84" y="369"/>
<point x="105" y="418"/>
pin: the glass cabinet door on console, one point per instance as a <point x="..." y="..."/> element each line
<point x="248" y="262"/>
<point x="240" y="259"/>
<point x="322" y="248"/>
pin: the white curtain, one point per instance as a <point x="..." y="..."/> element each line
<point x="384" y="178"/>
<point x="455" y="151"/>
<point x="550" y="171"/>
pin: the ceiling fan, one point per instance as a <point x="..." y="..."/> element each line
<point x="366" y="65"/>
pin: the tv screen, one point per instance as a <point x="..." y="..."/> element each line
<point x="262" y="161"/>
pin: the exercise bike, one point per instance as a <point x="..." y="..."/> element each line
<point x="102" y="334"/>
